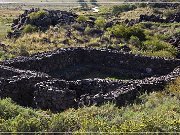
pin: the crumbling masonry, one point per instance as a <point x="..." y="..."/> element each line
<point x="69" y="78"/>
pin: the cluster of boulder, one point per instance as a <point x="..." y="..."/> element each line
<point x="154" y="18"/>
<point x="164" y="4"/>
<point x="42" y="19"/>
<point x="30" y="81"/>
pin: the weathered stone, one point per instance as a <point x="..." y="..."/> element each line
<point x="25" y="79"/>
<point x="52" y="17"/>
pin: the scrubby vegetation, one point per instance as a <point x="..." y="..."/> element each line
<point x="122" y="8"/>
<point x="29" y="29"/>
<point x="126" y="32"/>
<point x="153" y="112"/>
<point x="36" y="15"/>
<point x="146" y="38"/>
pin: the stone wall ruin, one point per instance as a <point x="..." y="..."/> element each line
<point x="74" y="77"/>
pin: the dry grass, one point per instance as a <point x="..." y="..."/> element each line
<point x="136" y="13"/>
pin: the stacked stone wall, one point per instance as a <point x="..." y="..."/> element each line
<point x="29" y="80"/>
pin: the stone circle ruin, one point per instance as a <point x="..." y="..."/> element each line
<point x="74" y="77"/>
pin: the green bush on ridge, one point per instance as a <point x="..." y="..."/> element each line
<point x="36" y="15"/>
<point x="100" y="22"/>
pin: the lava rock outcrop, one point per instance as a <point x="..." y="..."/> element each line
<point x="154" y="18"/>
<point x="41" y="20"/>
<point x="64" y="79"/>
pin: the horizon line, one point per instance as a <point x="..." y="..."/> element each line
<point x="84" y="2"/>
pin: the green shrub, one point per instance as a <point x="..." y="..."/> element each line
<point x="14" y="118"/>
<point x="126" y="32"/>
<point x="36" y="15"/>
<point x="23" y="51"/>
<point x="82" y="18"/>
<point x="87" y="30"/>
<point x="5" y="55"/>
<point x="66" y="121"/>
<point x="122" y="8"/>
<point x="135" y="41"/>
<point x="174" y="88"/>
<point x="29" y="28"/>
<point x="157" y="45"/>
<point x="118" y="30"/>
<point x="100" y="22"/>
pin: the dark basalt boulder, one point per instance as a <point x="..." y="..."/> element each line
<point x="174" y="39"/>
<point x="95" y="32"/>
<point x="173" y="18"/>
<point x="154" y="18"/>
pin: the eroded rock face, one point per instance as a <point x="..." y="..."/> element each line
<point x="70" y="78"/>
